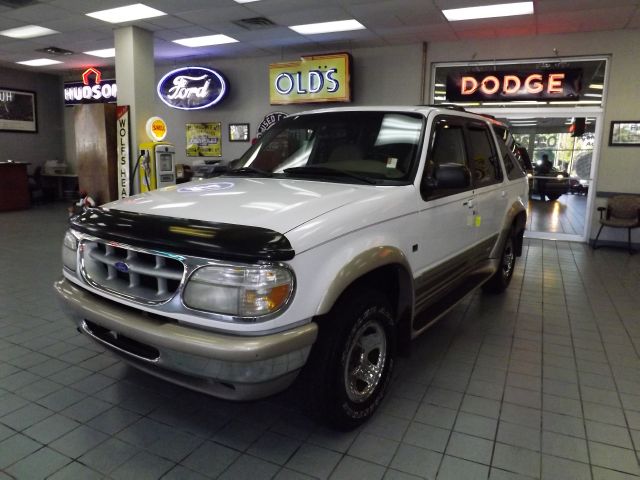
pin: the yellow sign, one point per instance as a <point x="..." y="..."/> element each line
<point x="204" y="139"/>
<point x="312" y="79"/>
<point x="156" y="129"/>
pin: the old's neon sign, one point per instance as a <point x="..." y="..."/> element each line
<point x="487" y="86"/>
<point x="313" y="83"/>
<point x="102" y="91"/>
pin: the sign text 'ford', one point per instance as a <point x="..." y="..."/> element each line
<point x="192" y="88"/>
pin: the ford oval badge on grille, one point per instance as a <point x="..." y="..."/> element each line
<point x="121" y="267"/>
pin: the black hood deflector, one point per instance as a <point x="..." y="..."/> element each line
<point x="182" y="236"/>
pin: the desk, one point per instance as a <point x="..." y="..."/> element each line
<point x="64" y="182"/>
<point x="14" y="186"/>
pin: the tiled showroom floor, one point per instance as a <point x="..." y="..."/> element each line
<point x="543" y="381"/>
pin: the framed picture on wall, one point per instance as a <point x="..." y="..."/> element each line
<point x="204" y="139"/>
<point x="625" y="134"/>
<point x="18" y="111"/>
<point x="238" y="132"/>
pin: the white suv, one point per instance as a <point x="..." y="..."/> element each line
<point x="340" y="235"/>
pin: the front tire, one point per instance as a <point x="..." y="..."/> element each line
<point x="501" y="279"/>
<point x="353" y="359"/>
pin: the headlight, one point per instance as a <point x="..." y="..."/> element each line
<point x="70" y="251"/>
<point x="240" y="291"/>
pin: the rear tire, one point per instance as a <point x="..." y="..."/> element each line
<point x="553" y="197"/>
<point x="351" y="364"/>
<point x="501" y="279"/>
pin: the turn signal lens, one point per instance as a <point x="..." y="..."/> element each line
<point x="239" y="291"/>
<point x="70" y="251"/>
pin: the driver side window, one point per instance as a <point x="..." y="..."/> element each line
<point x="447" y="155"/>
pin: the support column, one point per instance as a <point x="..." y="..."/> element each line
<point x="135" y="76"/>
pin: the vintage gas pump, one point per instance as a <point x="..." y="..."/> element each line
<point x="157" y="168"/>
<point x="156" y="161"/>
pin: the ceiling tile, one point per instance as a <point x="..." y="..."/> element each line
<point x="277" y="7"/>
<point x="547" y="6"/>
<point x="169" y="22"/>
<point x="588" y="20"/>
<point x="36" y="13"/>
<point x="442" y="33"/>
<point x="211" y="15"/>
<point x="6" y="23"/>
<point x="86" y="6"/>
<point x="315" y="15"/>
<point x="72" y="22"/>
<point x="173" y="6"/>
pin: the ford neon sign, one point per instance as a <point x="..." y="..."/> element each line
<point x="192" y="88"/>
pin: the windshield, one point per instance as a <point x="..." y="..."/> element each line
<point x="375" y="147"/>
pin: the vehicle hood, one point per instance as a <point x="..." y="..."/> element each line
<point x="277" y="204"/>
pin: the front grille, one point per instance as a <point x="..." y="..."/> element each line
<point x="143" y="276"/>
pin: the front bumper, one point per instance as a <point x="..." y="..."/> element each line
<point x="226" y="366"/>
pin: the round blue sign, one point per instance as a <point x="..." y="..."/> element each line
<point x="192" y="88"/>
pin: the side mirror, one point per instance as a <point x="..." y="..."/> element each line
<point x="448" y="176"/>
<point x="219" y="169"/>
<point x="452" y="176"/>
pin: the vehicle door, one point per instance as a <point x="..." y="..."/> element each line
<point x="490" y="189"/>
<point x="445" y="227"/>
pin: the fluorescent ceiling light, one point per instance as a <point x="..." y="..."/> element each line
<point x="105" y="53"/>
<point x="489" y="11"/>
<point x="39" y="62"/>
<point x="128" y="13"/>
<point x="245" y="1"/>
<point x="206" y="40"/>
<point x="596" y="86"/>
<point x="328" y="27"/>
<point x="28" y="31"/>
<point x="597" y="95"/>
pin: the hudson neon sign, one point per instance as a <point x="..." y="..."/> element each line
<point x="101" y="91"/>
<point x="487" y="86"/>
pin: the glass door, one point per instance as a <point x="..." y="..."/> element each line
<point x="563" y="148"/>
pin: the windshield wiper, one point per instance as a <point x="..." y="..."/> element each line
<point x="320" y="170"/>
<point x="249" y="171"/>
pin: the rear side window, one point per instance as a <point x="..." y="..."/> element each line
<point x="485" y="166"/>
<point x="511" y="165"/>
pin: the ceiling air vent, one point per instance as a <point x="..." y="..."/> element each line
<point x="17" y="3"/>
<point x="255" y="23"/>
<point x="55" y="51"/>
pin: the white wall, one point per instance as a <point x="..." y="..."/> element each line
<point x="619" y="167"/>
<point x="387" y="75"/>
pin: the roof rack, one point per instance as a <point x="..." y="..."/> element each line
<point x="448" y="107"/>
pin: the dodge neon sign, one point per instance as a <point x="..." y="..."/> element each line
<point x="505" y="86"/>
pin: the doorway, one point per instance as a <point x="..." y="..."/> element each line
<point x="563" y="147"/>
